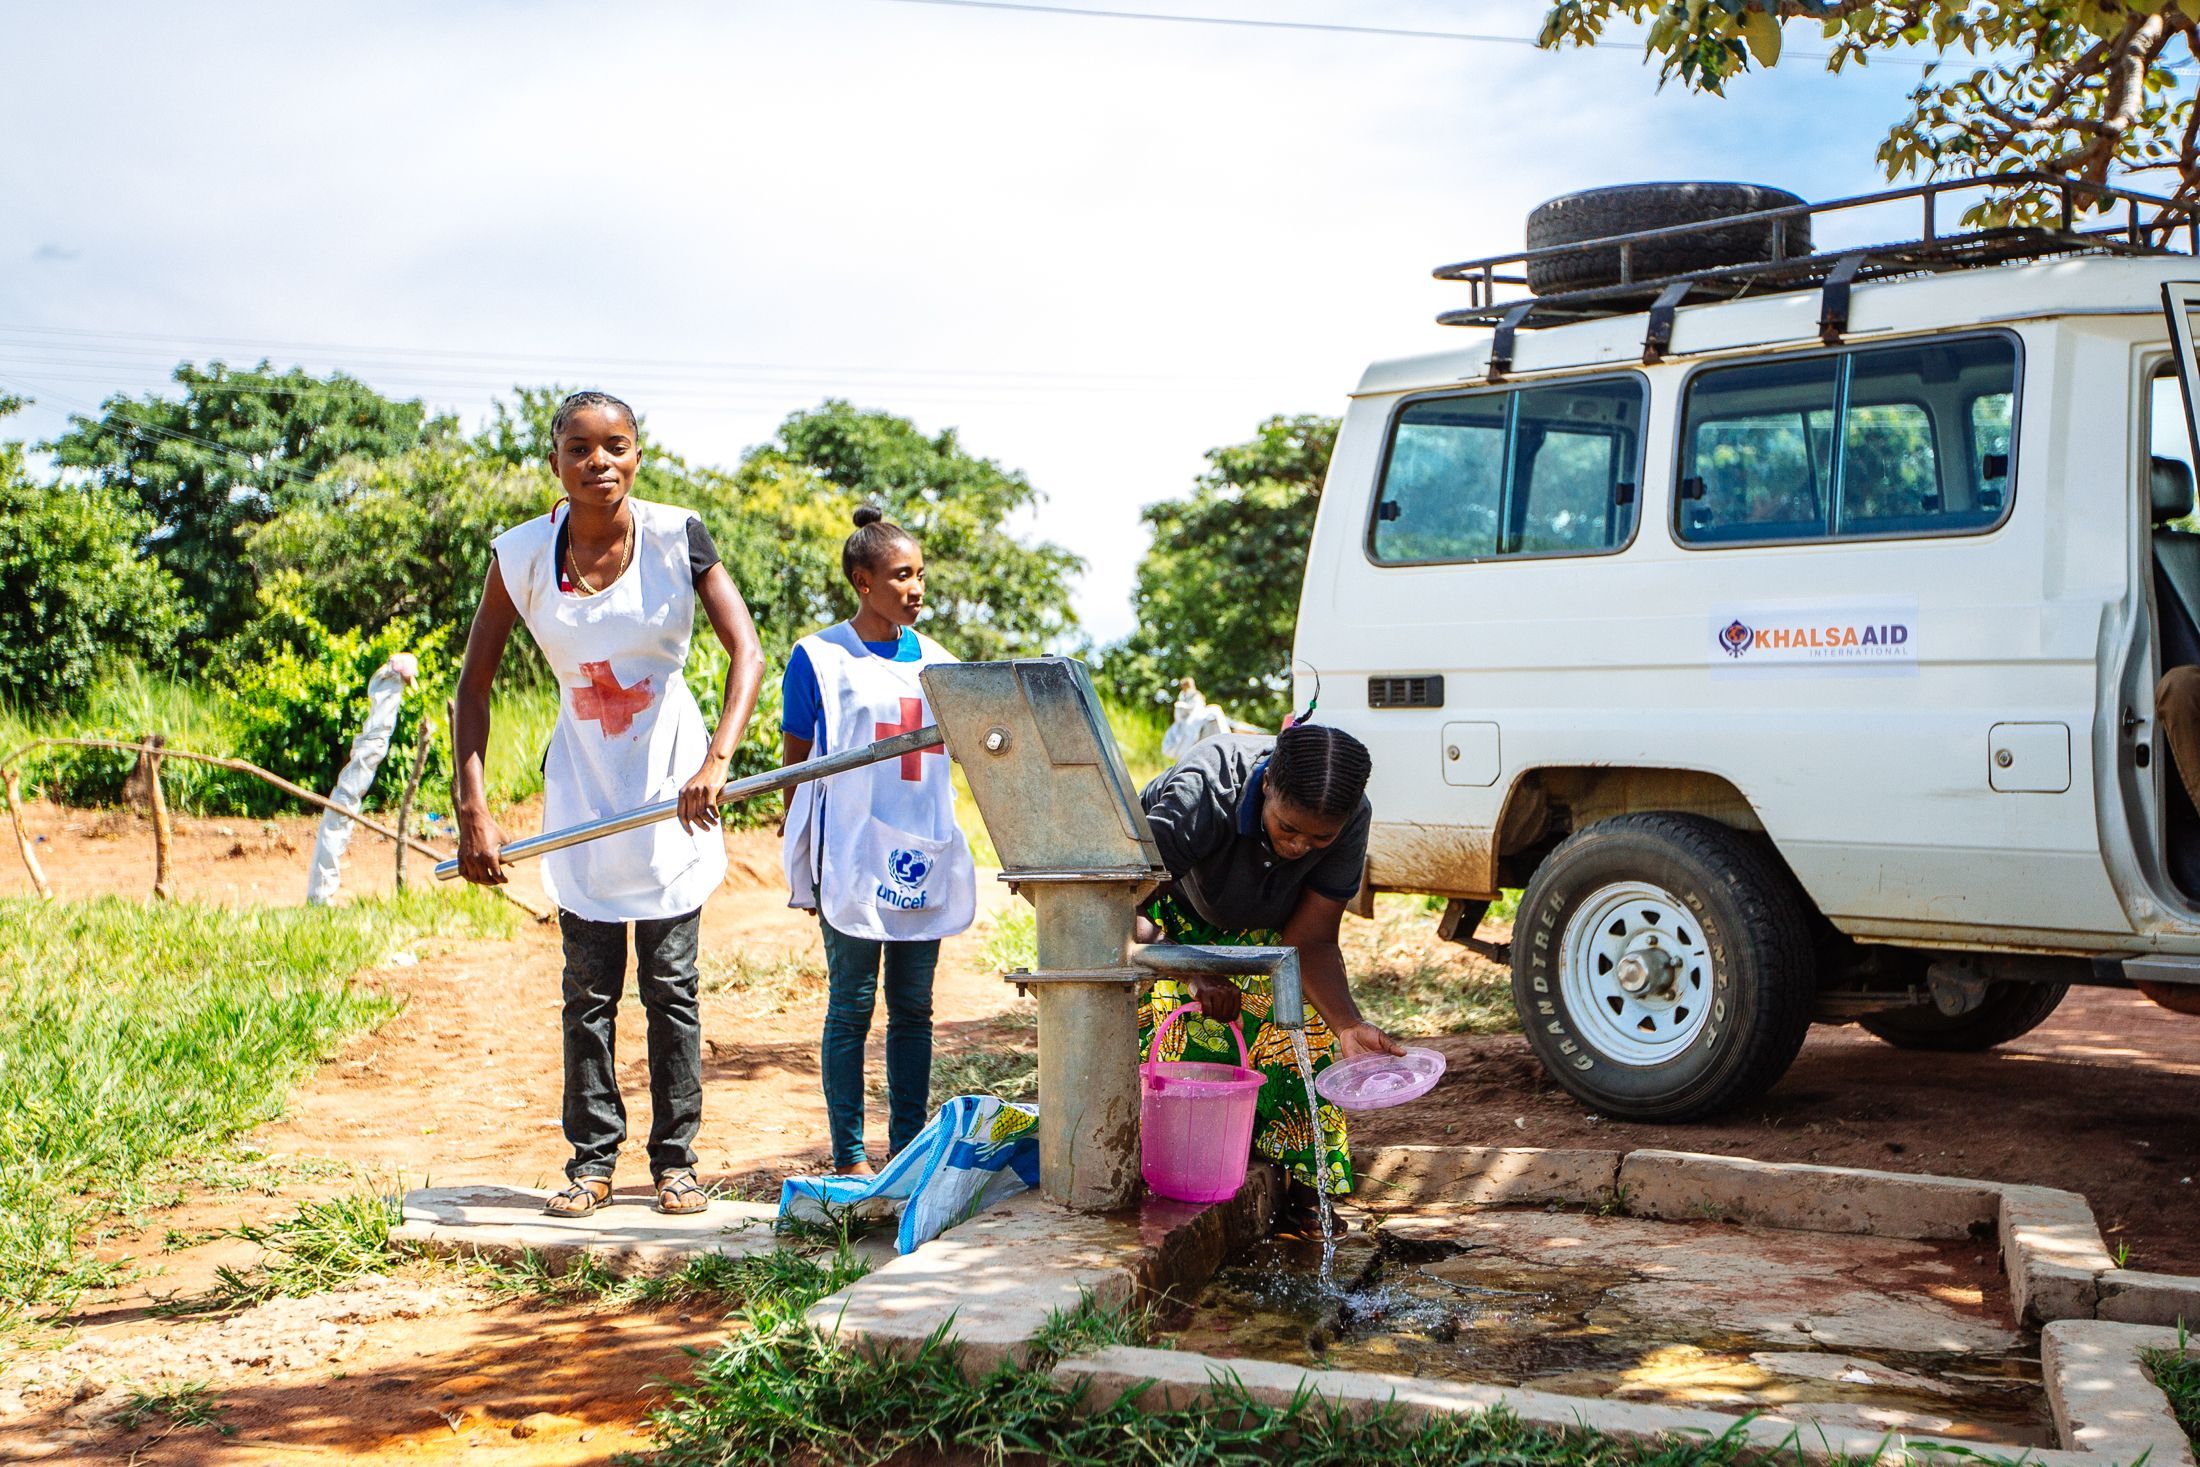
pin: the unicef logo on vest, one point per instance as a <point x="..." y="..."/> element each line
<point x="904" y="884"/>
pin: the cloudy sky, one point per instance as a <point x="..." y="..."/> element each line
<point x="1096" y="245"/>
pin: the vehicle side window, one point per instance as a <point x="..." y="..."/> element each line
<point x="1443" y="488"/>
<point x="1574" y="451"/>
<point x="1539" y="471"/>
<point x="1924" y="447"/>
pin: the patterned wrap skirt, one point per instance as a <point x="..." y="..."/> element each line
<point x="1283" y="1131"/>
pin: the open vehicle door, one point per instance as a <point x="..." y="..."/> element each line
<point x="2181" y="303"/>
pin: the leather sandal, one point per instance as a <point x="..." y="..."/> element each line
<point x="678" y="1193"/>
<point x="581" y="1199"/>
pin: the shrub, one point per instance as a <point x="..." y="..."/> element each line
<point x="74" y="594"/>
<point x="298" y="694"/>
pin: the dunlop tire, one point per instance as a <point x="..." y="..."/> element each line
<point x="1764" y="968"/>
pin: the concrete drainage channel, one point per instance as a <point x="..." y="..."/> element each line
<point x="1853" y="1312"/>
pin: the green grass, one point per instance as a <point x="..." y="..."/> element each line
<point x="763" y="983"/>
<point x="712" y="1278"/>
<point x="780" y="1392"/>
<point x="1415" y="985"/>
<point x="1010" y="1073"/>
<point x="2177" y="1372"/>
<point x="131" y="1035"/>
<point x="324" y="1245"/>
<point x="179" y="1405"/>
<point x="129" y="704"/>
<point x="520" y="721"/>
<point x="1012" y="939"/>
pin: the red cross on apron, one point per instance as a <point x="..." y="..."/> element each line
<point x="611" y="706"/>
<point x="912" y="719"/>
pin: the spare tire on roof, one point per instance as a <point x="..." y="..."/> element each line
<point x="1600" y="213"/>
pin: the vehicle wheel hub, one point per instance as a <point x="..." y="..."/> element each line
<point x="1636" y="973"/>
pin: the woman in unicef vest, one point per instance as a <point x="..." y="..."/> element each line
<point x="875" y="852"/>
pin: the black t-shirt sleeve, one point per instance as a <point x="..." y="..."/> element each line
<point x="1337" y="875"/>
<point x="1188" y="825"/>
<point x="702" y="553"/>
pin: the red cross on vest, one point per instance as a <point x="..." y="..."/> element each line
<point x="611" y="706"/>
<point x="912" y="719"/>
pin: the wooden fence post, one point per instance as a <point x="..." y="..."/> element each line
<point x="14" y="788"/>
<point x="412" y="792"/>
<point x="163" y="885"/>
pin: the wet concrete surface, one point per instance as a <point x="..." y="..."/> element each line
<point x="1880" y="1333"/>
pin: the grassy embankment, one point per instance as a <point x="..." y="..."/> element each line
<point x="134" y="1036"/>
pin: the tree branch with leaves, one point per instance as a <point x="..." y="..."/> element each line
<point x="2083" y="90"/>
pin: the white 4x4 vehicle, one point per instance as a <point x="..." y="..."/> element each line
<point x="1786" y="623"/>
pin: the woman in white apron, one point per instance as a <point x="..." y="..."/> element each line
<point x="874" y="852"/>
<point x="608" y="586"/>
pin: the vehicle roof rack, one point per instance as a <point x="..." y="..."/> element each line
<point x="2149" y="224"/>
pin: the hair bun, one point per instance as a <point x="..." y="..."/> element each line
<point x="868" y="514"/>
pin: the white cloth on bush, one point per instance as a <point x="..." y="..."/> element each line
<point x="976" y="1151"/>
<point x="1193" y="721"/>
<point x="385" y="696"/>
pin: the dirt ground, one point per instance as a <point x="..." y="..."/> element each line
<point x="463" y="1086"/>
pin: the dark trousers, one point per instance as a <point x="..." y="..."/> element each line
<point x="595" y="976"/>
<point x="852" y="969"/>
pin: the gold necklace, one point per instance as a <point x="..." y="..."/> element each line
<point x="573" y="563"/>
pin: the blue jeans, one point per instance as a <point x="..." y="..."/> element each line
<point x="852" y="966"/>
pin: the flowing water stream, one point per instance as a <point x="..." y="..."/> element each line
<point x="1321" y="1164"/>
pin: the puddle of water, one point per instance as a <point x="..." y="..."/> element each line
<point x="1462" y="1303"/>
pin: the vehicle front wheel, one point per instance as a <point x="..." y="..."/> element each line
<point x="1662" y="966"/>
<point x="2009" y="1009"/>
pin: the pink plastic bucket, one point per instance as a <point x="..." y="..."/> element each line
<point x="1195" y="1121"/>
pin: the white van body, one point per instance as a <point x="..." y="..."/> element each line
<point x="1947" y="739"/>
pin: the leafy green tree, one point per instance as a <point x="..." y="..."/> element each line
<point x="2079" y="89"/>
<point x="1218" y="590"/>
<point x="405" y="537"/>
<point x="75" y="595"/>
<point x="990" y="595"/>
<point x="238" y="447"/>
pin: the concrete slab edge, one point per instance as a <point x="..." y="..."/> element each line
<point x="1386" y="1178"/>
<point x="556" y="1257"/>
<point x="989" y="1287"/>
<point x="2105" y="1400"/>
<point x="1169" y="1379"/>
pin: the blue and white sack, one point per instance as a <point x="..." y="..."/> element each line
<point x="977" y="1150"/>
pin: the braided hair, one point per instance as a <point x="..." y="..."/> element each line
<point x="1320" y="770"/>
<point x="578" y="400"/>
<point x="873" y="541"/>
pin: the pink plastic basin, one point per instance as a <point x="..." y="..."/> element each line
<point x="1374" y="1081"/>
<point x="1195" y="1121"/>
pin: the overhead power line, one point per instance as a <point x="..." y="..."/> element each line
<point x="1327" y="27"/>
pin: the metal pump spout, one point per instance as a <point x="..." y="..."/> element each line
<point x="1280" y="965"/>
